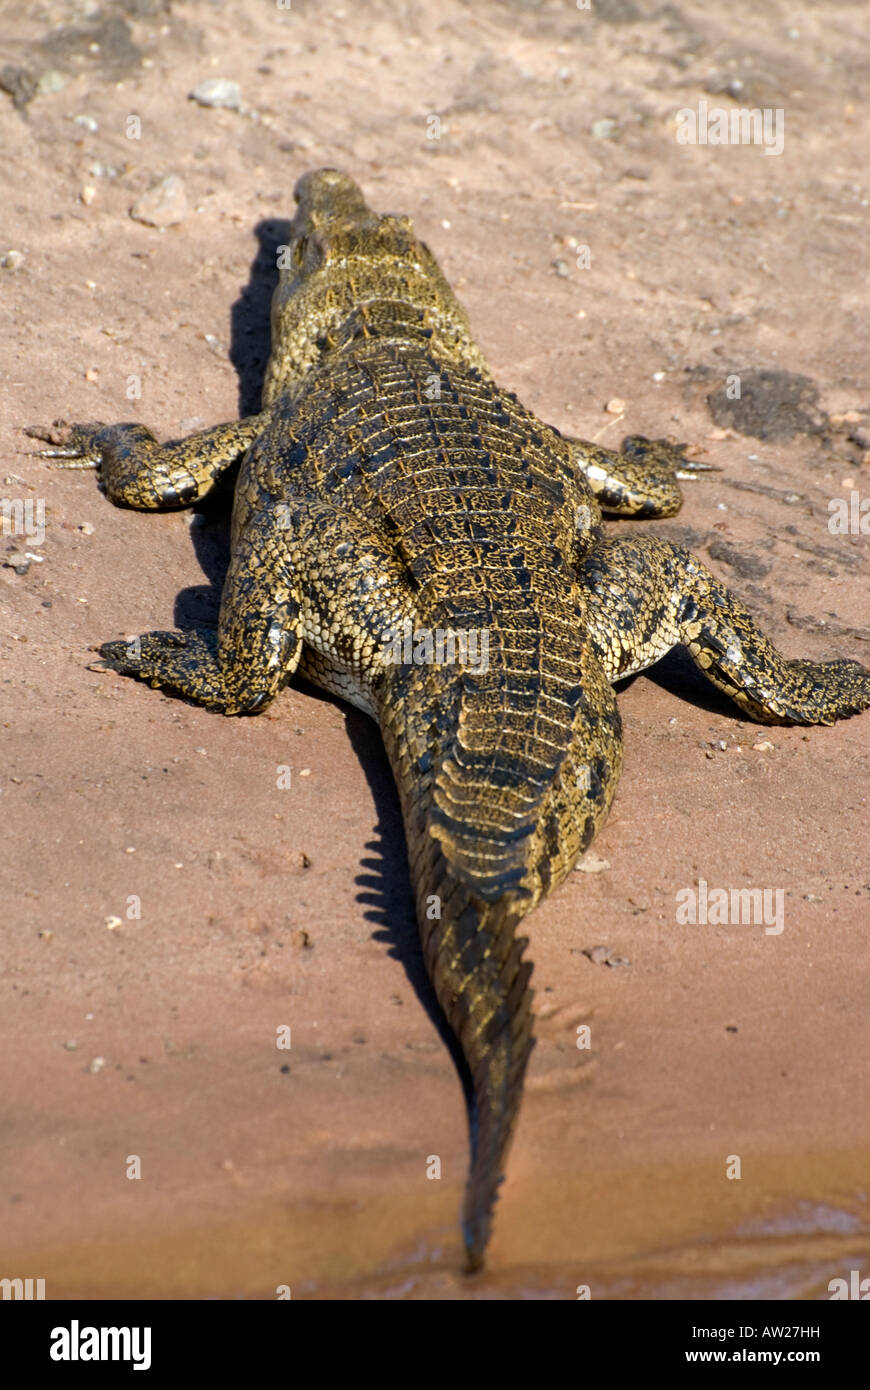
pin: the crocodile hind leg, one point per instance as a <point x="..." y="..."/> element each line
<point x="642" y="479"/>
<point x="241" y="667"/>
<point x="646" y="596"/>
<point x="135" y="471"/>
<point x="301" y="570"/>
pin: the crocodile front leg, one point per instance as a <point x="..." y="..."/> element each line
<point x="645" y="596"/>
<point x="135" y="471"/>
<point x="642" y="479"/>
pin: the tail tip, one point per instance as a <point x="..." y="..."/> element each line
<point x="476" y="1238"/>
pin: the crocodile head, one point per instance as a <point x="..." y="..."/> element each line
<point x="334" y="222"/>
<point x="342" y="255"/>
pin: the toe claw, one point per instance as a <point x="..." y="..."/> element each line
<point x="692" y="466"/>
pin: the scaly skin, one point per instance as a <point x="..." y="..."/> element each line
<point x="388" y="486"/>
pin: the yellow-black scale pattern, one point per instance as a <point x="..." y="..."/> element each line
<point x="387" y="481"/>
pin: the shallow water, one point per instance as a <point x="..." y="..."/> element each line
<point x="781" y="1232"/>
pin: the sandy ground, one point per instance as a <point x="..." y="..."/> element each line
<point x="153" y="1036"/>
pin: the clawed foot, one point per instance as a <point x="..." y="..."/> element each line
<point x="667" y="454"/>
<point x="133" y="469"/>
<point x="831" y="690"/>
<point x="150" y="657"/>
<point x="72" y="446"/>
<point x="187" y="664"/>
<point x="184" y="662"/>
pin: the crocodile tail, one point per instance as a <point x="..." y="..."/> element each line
<point x="498" y="800"/>
<point x="474" y="959"/>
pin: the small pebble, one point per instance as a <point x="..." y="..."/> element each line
<point x="17" y="560"/>
<point x="164" y="205"/>
<point x="51" y="81"/>
<point x="87" y="194"/>
<point x="591" y="863"/>
<point x="113" y="923"/>
<point x="604" y="955"/>
<point x="86" y="528"/>
<point x="96" y="1065"/>
<point x="217" y="91"/>
<point x="71" y="1045"/>
<point x="11" y="260"/>
<point x="765" y="746"/>
<point x="603" y="129"/>
<point x="87" y="123"/>
<point x="615" y="406"/>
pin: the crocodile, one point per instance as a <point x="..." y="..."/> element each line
<point x="388" y="490"/>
